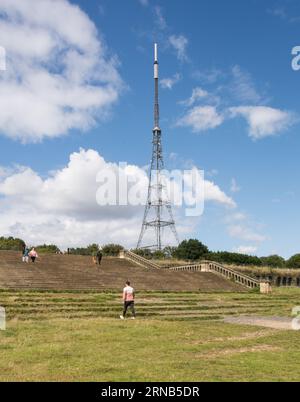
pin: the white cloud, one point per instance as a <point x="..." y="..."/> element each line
<point x="214" y="193"/>
<point x="3" y="172"/>
<point x="168" y="83"/>
<point x="242" y="86"/>
<point x="62" y="209"/>
<point x="60" y="78"/>
<point x="240" y="226"/>
<point x="179" y="43"/>
<point x="201" y="118"/>
<point x="246" y="250"/>
<point x="144" y="3"/>
<point x="234" y="186"/>
<point x="237" y="216"/>
<point x="279" y="12"/>
<point x="173" y="156"/>
<point x="198" y="93"/>
<point x="243" y="232"/>
<point x="212" y="173"/>
<point x="159" y="18"/>
<point x="208" y="76"/>
<point x="264" y="121"/>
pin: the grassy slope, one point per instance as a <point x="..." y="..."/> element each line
<point x="105" y="349"/>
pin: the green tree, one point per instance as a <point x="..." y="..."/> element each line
<point x="143" y="252"/>
<point x="112" y="250"/>
<point x="169" y="251"/>
<point x="158" y="255"/>
<point x="294" y="261"/>
<point x="225" y="257"/>
<point x="10" y="243"/>
<point x="47" y="248"/>
<point x="92" y="249"/>
<point x="274" y="261"/>
<point x="191" y="249"/>
<point x="89" y="250"/>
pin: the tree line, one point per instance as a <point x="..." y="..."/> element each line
<point x="194" y="250"/>
<point x="188" y="250"/>
<point x="15" y="244"/>
<point x="112" y="250"/>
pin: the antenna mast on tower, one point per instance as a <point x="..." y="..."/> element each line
<point x="158" y="211"/>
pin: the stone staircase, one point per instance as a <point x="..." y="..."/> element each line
<point x="229" y="274"/>
<point x="69" y="272"/>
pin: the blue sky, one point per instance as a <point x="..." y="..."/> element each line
<point x="229" y="105"/>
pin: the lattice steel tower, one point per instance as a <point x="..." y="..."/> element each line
<point x="158" y="214"/>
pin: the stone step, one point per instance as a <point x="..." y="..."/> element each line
<point x="79" y="273"/>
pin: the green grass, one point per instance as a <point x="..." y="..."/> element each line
<point x="177" y="337"/>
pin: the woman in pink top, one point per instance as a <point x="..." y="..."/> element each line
<point x="33" y="255"/>
<point x="128" y="299"/>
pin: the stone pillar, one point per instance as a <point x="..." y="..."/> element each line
<point x="265" y="287"/>
<point x="122" y="254"/>
<point x="205" y="267"/>
<point x="294" y="281"/>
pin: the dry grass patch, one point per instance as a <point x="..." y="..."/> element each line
<point x="246" y="336"/>
<point x="230" y="352"/>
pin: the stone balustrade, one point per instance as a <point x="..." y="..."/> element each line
<point x="138" y="259"/>
<point x="206" y="266"/>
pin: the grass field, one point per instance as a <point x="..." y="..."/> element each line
<point x="177" y="337"/>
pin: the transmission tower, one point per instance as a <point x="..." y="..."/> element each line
<point x="158" y="214"/>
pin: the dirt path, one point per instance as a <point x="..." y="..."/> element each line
<point x="284" y="323"/>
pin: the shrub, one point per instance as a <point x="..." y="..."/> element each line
<point x="89" y="250"/>
<point x="143" y="252"/>
<point x="158" y="255"/>
<point x="191" y="249"/>
<point x="169" y="252"/>
<point x="10" y="243"/>
<point x="45" y="248"/>
<point x="274" y="261"/>
<point x="225" y="257"/>
<point x="112" y="250"/>
<point x="294" y="261"/>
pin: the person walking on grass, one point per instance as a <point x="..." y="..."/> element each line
<point x="25" y="257"/>
<point x="128" y="299"/>
<point x="33" y="255"/>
